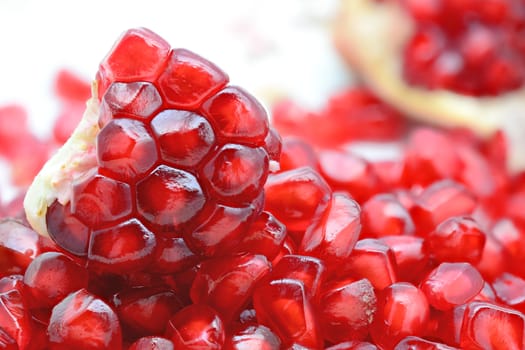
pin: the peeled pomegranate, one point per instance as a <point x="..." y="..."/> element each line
<point x="166" y="222"/>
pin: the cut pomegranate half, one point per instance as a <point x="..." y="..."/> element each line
<point x="372" y="35"/>
<point x="165" y="150"/>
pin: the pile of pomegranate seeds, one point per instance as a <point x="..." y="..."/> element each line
<point x="471" y="47"/>
<point x="184" y="234"/>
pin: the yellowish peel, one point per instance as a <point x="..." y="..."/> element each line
<point x="74" y="158"/>
<point x="370" y="35"/>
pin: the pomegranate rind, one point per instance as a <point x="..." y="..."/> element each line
<point x="370" y="36"/>
<point x="76" y="157"/>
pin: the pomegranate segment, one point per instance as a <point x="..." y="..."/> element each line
<point x="196" y="327"/>
<point x="83" y="321"/>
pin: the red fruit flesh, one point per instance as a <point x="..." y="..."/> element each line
<point x="465" y="47"/>
<point x="152" y="343"/>
<point x="83" y="321"/>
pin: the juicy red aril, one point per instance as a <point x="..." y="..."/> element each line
<point x="348" y="172"/>
<point x="451" y="284"/>
<point x="488" y="326"/>
<point x="253" y="337"/>
<point x="411" y="260"/>
<point x="85" y="322"/>
<point x="417" y="343"/>
<point x="19" y="245"/>
<point x="152" y="343"/>
<point x="145" y="311"/>
<point x="51" y="277"/>
<point x="172" y="255"/>
<point x="297" y="153"/>
<point x="196" y="327"/>
<point x="464" y="47"/>
<point x="296" y="197"/>
<point x="226" y="283"/>
<point x="334" y="236"/>
<point x="373" y="260"/>
<point x="347" y="309"/>
<point x="383" y="215"/>
<point x="510" y="289"/>
<point x="402" y="310"/>
<point x="284" y="306"/>
<point x="439" y="201"/>
<point x="308" y="270"/>
<point x="15" y="318"/>
<point x="456" y="239"/>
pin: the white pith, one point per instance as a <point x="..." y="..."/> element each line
<point x="74" y="158"/>
<point x="371" y="34"/>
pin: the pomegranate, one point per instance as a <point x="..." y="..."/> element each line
<point x="165" y="222"/>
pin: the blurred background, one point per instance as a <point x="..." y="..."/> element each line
<point x="271" y="47"/>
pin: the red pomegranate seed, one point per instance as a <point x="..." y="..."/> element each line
<point x="347" y="172"/>
<point x="334" y="236"/>
<point x="488" y="326"/>
<point x="417" y="343"/>
<point x="310" y="271"/>
<point x="440" y="201"/>
<point x="15" y="318"/>
<point x="51" y="277"/>
<point x="296" y="197"/>
<point x="456" y="239"/>
<point x="226" y="283"/>
<point x="68" y="232"/>
<point x="14" y="130"/>
<point x="451" y="284"/>
<point x="353" y="345"/>
<point x="265" y="236"/>
<point x="494" y="258"/>
<point x="402" y="310"/>
<point x="297" y="153"/>
<point x="19" y="245"/>
<point x="346" y="310"/>
<point x="273" y="146"/>
<point x="84" y="322"/>
<point x="373" y="260"/>
<point x="139" y="55"/>
<point x="196" y="327"/>
<point x="430" y="156"/>
<point x="135" y="100"/>
<point x="510" y="236"/>
<point x="69" y="86"/>
<point x="6" y="342"/>
<point x="152" y="343"/>
<point x="383" y="215"/>
<point x="411" y="260"/>
<point x="285" y="307"/>
<point x="145" y="311"/>
<point x="510" y="289"/>
<point x="172" y="255"/>
<point x="253" y="337"/>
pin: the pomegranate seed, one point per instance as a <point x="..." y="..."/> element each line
<point x="296" y="197"/>
<point x="510" y="289"/>
<point x="172" y="255"/>
<point x="402" y="310"/>
<point x="417" y="343"/>
<point x="484" y="323"/>
<point x="253" y="337"/>
<point x="335" y="235"/>
<point x="297" y="153"/>
<point x="456" y="239"/>
<point x="353" y="345"/>
<point x="494" y="258"/>
<point x="266" y="236"/>
<point x="347" y="172"/>
<point x="347" y="309"/>
<point x="83" y="321"/>
<point x="284" y="306"/>
<point x="451" y="284"/>
<point x="15" y="318"/>
<point x="384" y="215"/>
<point x="196" y="327"/>
<point x="373" y="260"/>
<point x="440" y="201"/>
<point x="226" y="283"/>
<point x="411" y="260"/>
<point x="19" y="245"/>
<point x="51" y="277"/>
<point x="71" y="87"/>
<point x="152" y="343"/>
<point x="308" y="270"/>
<point x="145" y="311"/>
